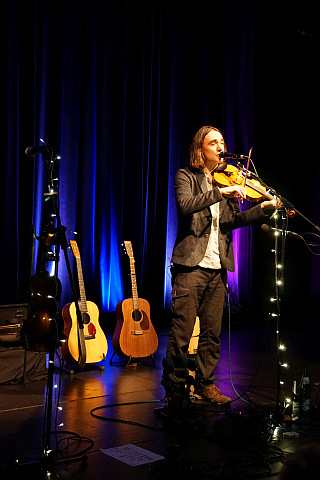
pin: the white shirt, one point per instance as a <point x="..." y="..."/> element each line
<point x="211" y="257"/>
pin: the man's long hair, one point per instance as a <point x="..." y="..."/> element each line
<point x="195" y="152"/>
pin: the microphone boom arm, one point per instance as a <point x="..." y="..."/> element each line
<point x="270" y="190"/>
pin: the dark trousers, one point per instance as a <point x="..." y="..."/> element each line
<point x="198" y="292"/>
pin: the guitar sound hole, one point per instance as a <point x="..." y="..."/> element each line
<point x="136" y="315"/>
<point x="85" y="318"/>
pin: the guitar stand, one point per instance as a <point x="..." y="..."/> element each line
<point x="87" y="367"/>
<point x="128" y="360"/>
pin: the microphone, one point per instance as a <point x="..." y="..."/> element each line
<point x="268" y="228"/>
<point x="32" y="151"/>
<point x="231" y="155"/>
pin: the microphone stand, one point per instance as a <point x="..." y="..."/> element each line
<point x="47" y="460"/>
<point x="61" y="241"/>
<point x="272" y="192"/>
<point x="279" y="255"/>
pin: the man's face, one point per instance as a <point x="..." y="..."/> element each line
<point x="213" y="144"/>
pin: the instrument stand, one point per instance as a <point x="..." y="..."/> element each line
<point x="129" y="359"/>
<point x="87" y="366"/>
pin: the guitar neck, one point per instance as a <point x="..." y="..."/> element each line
<point x="135" y="297"/>
<point x="83" y="299"/>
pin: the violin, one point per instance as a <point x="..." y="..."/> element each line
<point x="232" y="175"/>
<point x="255" y="190"/>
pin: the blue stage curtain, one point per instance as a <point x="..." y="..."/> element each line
<point x="119" y="88"/>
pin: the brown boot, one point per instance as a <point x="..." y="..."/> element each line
<point x="212" y="393"/>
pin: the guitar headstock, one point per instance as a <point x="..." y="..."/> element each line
<point x="74" y="248"/>
<point x="128" y="248"/>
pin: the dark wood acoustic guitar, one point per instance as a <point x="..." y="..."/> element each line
<point x="134" y="334"/>
<point x="96" y="345"/>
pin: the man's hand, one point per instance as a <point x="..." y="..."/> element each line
<point x="235" y="191"/>
<point x="271" y="204"/>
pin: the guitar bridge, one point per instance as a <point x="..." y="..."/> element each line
<point x="136" y="332"/>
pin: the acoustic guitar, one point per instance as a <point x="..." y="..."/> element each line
<point x="96" y="345"/>
<point x="194" y="340"/>
<point x="134" y="334"/>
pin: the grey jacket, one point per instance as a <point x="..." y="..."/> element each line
<point x="193" y="201"/>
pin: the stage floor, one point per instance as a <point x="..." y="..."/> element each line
<point x="107" y="414"/>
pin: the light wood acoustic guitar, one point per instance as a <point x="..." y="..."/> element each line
<point x="194" y="340"/>
<point x="134" y="334"/>
<point x="96" y="345"/>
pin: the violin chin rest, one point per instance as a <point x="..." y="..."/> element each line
<point x="221" y="167"/>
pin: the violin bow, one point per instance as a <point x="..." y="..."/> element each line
<point x="245" y="177"/>
<point x="249" y="159"/>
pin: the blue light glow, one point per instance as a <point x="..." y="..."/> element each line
<point x="110" y="266"/>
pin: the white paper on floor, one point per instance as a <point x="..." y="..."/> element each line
<point x="132" y="454"/>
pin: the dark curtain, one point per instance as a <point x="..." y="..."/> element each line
<point x="119" y="87"/>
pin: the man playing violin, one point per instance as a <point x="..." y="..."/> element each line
<point x="203" y="254"/>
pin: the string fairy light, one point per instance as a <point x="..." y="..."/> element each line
<point x="275" y="313"/>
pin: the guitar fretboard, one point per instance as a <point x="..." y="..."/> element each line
<point x="83" y="299"/>
<point x="135" y="297"/>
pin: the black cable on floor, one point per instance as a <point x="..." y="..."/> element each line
<point x="127" y="422"/>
